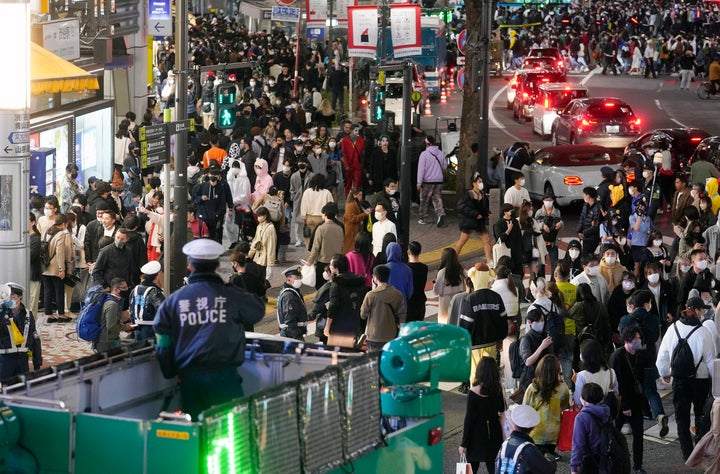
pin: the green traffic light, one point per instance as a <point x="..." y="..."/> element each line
<point x="226" y="118"/>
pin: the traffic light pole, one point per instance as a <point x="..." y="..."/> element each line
<point x="483" y="54"/>
<point x="405" y="158"/>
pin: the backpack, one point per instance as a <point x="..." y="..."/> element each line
<point x="589" y="331"/>
<point x="139" y="302"/>
<point x="88" y="322"/>
<point x="614" y="457"/>
<point x="682" y="361"/>
<point x="45" y="253"/>
<point x="516" y="363"/>
<point x="274" y="205"/>
<point x="505" y="464"/>
<point x="264" y="148"/>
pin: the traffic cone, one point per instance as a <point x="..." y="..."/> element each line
<point x="428" y="112"/>
<point x="443" y="96"/>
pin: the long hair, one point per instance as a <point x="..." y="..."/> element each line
<point x="503" y="273"/>
<point x="547" y="377"/>
<point x="351" y="196"/>
<point x="487" y="376"/>
<point x="584" y="293"/>
<point x="591" y="354"/>
<point x="363" y="244"/>
<point x="453" y="270"/>
<point x="526" y="222"/>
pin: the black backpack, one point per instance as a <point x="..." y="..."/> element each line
<point x="682" y="361"/>
<point x="516" y="362"/>
<point x="554" y="326"/>
<point x="45" y="253"/>
<point x="264" y="149"/>
<point x="614" y="457"/>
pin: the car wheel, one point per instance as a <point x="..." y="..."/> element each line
<point x="554" y="138"/>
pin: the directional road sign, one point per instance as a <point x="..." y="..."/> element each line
<point x="184" y="126"/>
<point x="152" y="131"/>
<point x="415" y="96"/>
<point x="159" y="18"/>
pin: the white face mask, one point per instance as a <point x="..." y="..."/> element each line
<point x="317" y="151"/>
<point x="392" y="192"/>
<point x="378" y="215"/>
<point x="99" y="219"/>
<point x="610" y="260"/>
<point x="522" y="182"/>
<point x="548" y="204"/>
<point x="702" y="264"/>
<point x="685" y="268"/>
<point x="574" y="253"/>
<point x="628" y="285"/>
<point x="326" y="276"/>
<point x="593" y="271"/>
<point x="657" y="242"/>
<point x="707" y="302"/>
<point x="646" y="174"/>
<point x="331" y="144"/>
<point x="48" y="212"/>
<point x="538" y="326"/>
<point x="622" y="241"/>
<point x="653" y="277"/>
<point x="529" y="213"/>
<point x="481" y="186"/>
<point x="297" y="284"/>
<point x="286" y="169"/>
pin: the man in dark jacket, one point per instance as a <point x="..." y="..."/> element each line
<point x="200" y="331"/>
<point x="588" y="229"/>
<point x="250" y="276"/>
<point x="347" y="291"/>
<point x="96" y="229"/>
<point x="146" y="298"/>
<point x="135" y="243"/>
<point x="212" y="200"/>
<point x="117" y="261"/>
<point x="291" y="311"/>
<point x="603" y="189"/>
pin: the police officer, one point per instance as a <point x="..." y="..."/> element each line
<point x="291" y="311"/>
<point x="200" y="331"/>
<point x="146" y="298"/>
<point x="19" y="339"/>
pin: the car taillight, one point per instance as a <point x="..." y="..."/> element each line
<point x="525" y="95"/>
<point x="561" y="64"/>
<point x="636" y="121"/>
<point x="546" y="79"/>
<point x="585" y="122"/>
<point x="609" y="104"/>
<point x="546" y="104"/>
<point x="696" y="139"/>
<point x="435" y="436"/>
<point x="363" y="102"/>
<point x="573" y="180"/>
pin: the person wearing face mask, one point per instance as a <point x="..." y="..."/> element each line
<point x="617" y="307"/>
<point x="116" y="261"/>
<point x="651" y="190"/>
<point x="590" y="316"/>
<point x="47" y="220"/>
<point x="381" y="165"/>
<point x="347" y="290"/>
<point x="655" y="252"/>
<point x="572" y="258"/>
<point x="321" y="301"/>
<point x="382" y="226"/>
<point x="708" y="318"/>
<point x="299" y="183"/>
<point x="517" y="194"/>
<point x="534" y="345"/>
<point x="664" y="302"/>
<point x="692" y="239"/>
<point x="69" y="187"/>
<point x="527" y="229"/>
<point x="630" y="363"/>
<point x="586" y="443"/>
<point x="640" y="226"/>
<point x="318" y="160"/>
<point x="264" y="243"/>
<point x="327" y="240"/>
<point x="291" y="312"/>
<point x="707" y="218"/>
<point x="507" y="230"/>
<point x="353" y="148"/>
<point x="475" y="215"/>
<point x="688" y="390"/>
<point x="548" y="223"/>
<point x="355" y="217"/>
<point x="248" y="275"/>
<point x="591" y="276"/>
<point x="620" y="241"/>
<point x="15" y="354"/>
<point x="588" y="229"/>
<point x="610" y="267"/>
<point x="213" y="200"/>
<point x="384" y="310"/>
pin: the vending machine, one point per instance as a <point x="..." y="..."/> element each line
<point x="43" y="177"/>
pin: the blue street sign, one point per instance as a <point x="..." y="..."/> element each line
<point x="159" y="18"/>
<point x="19" y="137"/>
<point x="460" y="77"/>
<point x="316" y="33"/>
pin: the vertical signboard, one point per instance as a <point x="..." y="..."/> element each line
<point x="362" y="31"/>
<point x="342" y="9"/>
<point x="316" y="11"/>
<point x="159" y="18"/>
<point x="406" y="36"/>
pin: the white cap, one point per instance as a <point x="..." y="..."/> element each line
<point x="525" y="416"/>
<point x="153" y="267"/>
<point x="203" y="249"/>
<point x="16" y="287"/>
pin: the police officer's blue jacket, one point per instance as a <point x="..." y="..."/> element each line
<point x="202" y="326"/>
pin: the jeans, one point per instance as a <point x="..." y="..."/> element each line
<point x="636" y="424"/>
<point x="566" y="357"/>
<point x="685" y="393"/>
<point x="651" y="393"/>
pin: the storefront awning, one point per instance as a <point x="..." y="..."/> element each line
<point x="50" y="74"/>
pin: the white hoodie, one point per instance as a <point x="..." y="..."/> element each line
<point x="239" y="183"/>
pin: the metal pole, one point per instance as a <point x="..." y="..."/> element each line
<point x="297" y="58"/>
<point x="384" y="13"/>
<point x="484" y="131"/>
<point x="177" y="238"/>
<point x="405" y="158"/>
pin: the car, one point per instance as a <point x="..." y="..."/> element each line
<point x="560" y="62"/>
<point x="527" y="90"/>
<point x="709" y="150"/>
<point x="605" y="121"/>
<point x="540" y="62"/>
<point x="551" y="98"/>
<point x="681" y="142"/>
<point x="565" y="170"/>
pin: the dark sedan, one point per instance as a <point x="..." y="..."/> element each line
<point x="681" y="142"/>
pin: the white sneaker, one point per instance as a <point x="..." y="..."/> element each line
<point x="626" y="430"/>
<point x="299" y="243"/>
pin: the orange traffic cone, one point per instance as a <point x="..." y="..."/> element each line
<point x="443" y="96"/>
<point x="428" y="112"/>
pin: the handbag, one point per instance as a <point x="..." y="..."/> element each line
<point x="308" y="275"/>
<point x="463" y="467"/>
<point x="306" y="232"/>
<point x="500" y="250"/>
<point x="567" y="425"/>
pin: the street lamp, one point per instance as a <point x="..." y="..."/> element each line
<point x="15" y="142"/>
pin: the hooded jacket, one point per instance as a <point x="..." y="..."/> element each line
<point x="611" y="273"/>
<point x="712" y="190"/>
<point x="347" y="292"/>
<point x="400" y="273"/>
<point x="263" y="180"/>
<point x="239" y="184"/>
<point x="586" y="434"/>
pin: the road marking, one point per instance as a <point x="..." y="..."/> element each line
<point x="679" y="123"/>
<point x="657" y="103"/>
<point x="494" y="121"/>
<point x="589" y="75"/>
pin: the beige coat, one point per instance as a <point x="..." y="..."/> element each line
<point x="58" y="255"/>
<point x="384" y="309"/>
<point x="705" y="454"/>
<point x="264" y="253"/>
<point x="328" y="242"/>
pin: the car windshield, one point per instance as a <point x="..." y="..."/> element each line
<point x="609" y="110"/>
<point x="394" y="91"/>
<point x="559" y="99"/>
<point x="584" y="158"/>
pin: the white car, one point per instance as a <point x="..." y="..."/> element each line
<point x="552" y="98"/>
<point x="565" y="170"/>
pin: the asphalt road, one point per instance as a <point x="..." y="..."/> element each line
<point x="660" y="104"/>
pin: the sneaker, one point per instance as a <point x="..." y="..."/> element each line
<point x="64" y="319"/>
<point x="52" y="319"/>
<point x="299" y="243"/>
<point x="441" y="221"/>
<point x="626" y="430"/>
<point x="663" y="422"/>
<point x="557" y="456"/>
<point x="422" y="221"/>
<point x="639" y="471"/>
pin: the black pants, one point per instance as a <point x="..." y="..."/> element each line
<point x="688" y="392"/>
<point x="636" y="424"/>
<point x="53" y="289"/>
<point x="215" y="229"/>
<point x="14" y="364"/>
<point x="203" y="389"/>
<point x="319" y="269"/>
<point x="589" y="245"/>
<point x="415" y="312"/>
